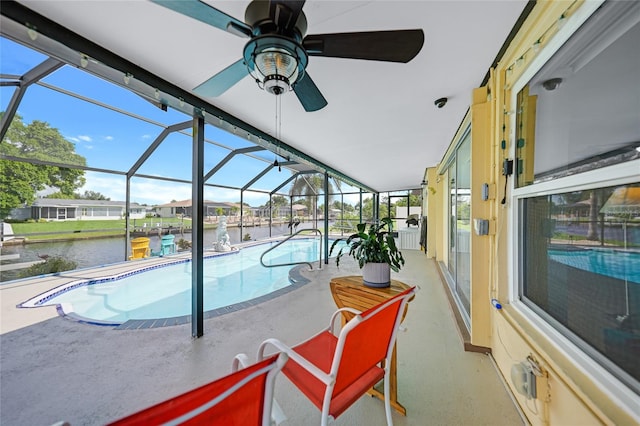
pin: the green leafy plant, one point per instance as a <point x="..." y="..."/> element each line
<point x="183" y="244"/>
<point x="375" y="245"/>
<point x="51" y="265"/>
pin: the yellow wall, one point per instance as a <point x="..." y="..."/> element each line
<point x="482" y="168"/>
<point x="566" y="394"/>
<point x="430" y="206"/>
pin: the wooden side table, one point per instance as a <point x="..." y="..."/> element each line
<point x="350" y="292"/>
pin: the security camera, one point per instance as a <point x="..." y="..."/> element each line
<point x="440" y="102"/>
<point x="552" y="84"/>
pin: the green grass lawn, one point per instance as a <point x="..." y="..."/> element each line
<point x="81" y="229"/>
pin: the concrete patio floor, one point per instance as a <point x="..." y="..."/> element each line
<point x="60" y="369"/>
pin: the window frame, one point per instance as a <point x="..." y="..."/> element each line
<point x="586" y="359"/>
<point x="618" y="174"/>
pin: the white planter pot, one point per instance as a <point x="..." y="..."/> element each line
<point x="376" y="274"/>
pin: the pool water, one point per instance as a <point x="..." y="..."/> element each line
<point x="623" y="265"/>
<point x="165" y="292"/>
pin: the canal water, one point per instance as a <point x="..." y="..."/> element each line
<point x="104" y="251"/>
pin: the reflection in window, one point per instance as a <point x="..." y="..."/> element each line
<point x="581" y="267"/>
<point x="579" y="112"/>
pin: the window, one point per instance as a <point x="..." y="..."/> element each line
<point x="577" y="202"/>
<point x="580" y="266"/>
<point x="459" y="173"/>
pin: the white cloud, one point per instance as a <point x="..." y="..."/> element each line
<point x="152" y="192"/>
<point x="108" y="138"/>
<point x="352" y="199"/>
<point x="85" y="138"/>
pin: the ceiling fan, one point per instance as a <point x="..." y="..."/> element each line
<point x="278" y="49"/>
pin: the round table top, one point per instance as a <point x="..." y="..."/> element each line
<point x="350" y="292"/>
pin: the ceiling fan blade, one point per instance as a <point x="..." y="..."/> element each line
<point x="390" y="46"/>
<point x="285" y="13"/>
<point x="308" y="94"/>
<point x="221" y="82"/>
<point x="207" y="14"/>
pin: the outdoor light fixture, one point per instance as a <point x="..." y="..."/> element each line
<point x="441" y="102"/>
<point x="552" y="84"/>
<point x="561" y="21"/>
<point x="275" y="70"/>
<point x="275" y="62"/>
<point x="32" y="33"/>
<point x="536" y="46"/>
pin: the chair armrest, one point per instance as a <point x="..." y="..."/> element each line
<point x="240" y="361"/>
<point x="321" y="375"/>
<point x="338" y="314"/>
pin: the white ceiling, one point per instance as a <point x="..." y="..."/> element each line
<point x="380" y="126"/>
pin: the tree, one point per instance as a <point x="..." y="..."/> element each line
<point x="366" y="208"/>
<point x="278" y="200"/>
<point x="414" y="200"/>
<point x="20" y="181"/>
<point x="92" y="195"/>
<point x="309" y="187"/>
<point x="59" y="195"/>
<point x="88" y="195"/>
<point x="275" y="203"/>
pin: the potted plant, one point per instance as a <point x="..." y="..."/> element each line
<point x="375" y="250"/>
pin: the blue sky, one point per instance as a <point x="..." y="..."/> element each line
<point x="111" y="140"/>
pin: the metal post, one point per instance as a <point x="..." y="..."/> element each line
<point x="197" y="235"/>
<point x="408" y="205"/>
<point x="376" y="206"/>
<point x="291" y="214"/>
<point x="241" y="215"/>
<point x="326" y="218"/>
<point x="127" y="230"/>
<point x="270" y="215"/>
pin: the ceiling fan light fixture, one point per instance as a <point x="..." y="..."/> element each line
<point x="278" y="49"/>
<point x="275" y="70"/>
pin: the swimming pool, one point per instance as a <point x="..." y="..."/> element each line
<point x="623" y="265"/>
<point x="164" y="291"/>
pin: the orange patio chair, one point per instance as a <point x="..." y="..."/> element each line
<point x="244" y="397"/>
<point x="333" y="371"/>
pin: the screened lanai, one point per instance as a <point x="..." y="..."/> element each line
<point x="510" y="133"/>
<point x="125" y="141"/>
<point x="150" y="144"/>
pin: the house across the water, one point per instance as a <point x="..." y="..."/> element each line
<point x="73" y="209"/>
<point x="183" y="208"/>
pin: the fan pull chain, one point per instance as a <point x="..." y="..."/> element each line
<point x="278" y="116"/>
<point x="278" y="126"/>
